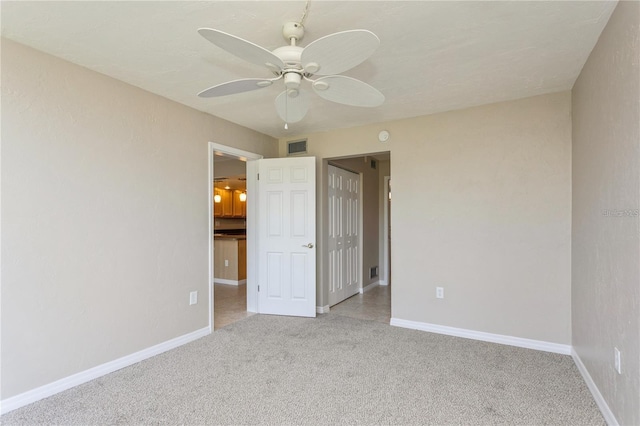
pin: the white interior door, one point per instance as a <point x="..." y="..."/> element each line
<point x="336" y="236"/>
<point x="287" y="236"/>
<point x="343" y="241"/>
<point x="352" y="232"/>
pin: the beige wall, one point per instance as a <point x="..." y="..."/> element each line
<point x="229" y="167"/>
<point x="605" y="246"/>
<point x="481" y="207"/>
<point x="104" y="217"/>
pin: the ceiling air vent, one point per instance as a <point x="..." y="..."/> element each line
<point x="297" y="147"/>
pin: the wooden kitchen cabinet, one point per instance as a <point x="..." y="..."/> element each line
<point x="239" y="206"/>
<point x="217" y="207"/>
<point x="227" y="203"/>
<point x="230" y="205"/>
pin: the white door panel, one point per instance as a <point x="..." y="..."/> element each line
<point x="352" y="285"/>
<point x="343" y="241"/>
<point x="286" y="236"/>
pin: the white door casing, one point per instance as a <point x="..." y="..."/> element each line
<point x="287" y="236"/>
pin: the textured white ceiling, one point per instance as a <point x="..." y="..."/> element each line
<point x="434" y="56"/>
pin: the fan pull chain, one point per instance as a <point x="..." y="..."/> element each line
<point x="286" y="108"/>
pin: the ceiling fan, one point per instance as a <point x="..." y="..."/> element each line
<point x="325" y="57"/>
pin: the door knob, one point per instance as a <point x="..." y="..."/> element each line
<point x="310" y="245"/>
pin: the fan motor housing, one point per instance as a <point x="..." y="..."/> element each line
<point x="290" y="55"/>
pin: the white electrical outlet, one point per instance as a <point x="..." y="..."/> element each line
<point x="226" y="262"/>
<point x="440" y="292"/>
<point x="616" y="360"/>
<point x="193" y="298"/>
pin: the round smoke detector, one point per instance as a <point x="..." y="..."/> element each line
<point x="383" y="136"/>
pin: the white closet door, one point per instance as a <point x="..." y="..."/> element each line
<point x="343" y="238"/>
<point x="351" y="238"/>
<point x="336" y="289"/>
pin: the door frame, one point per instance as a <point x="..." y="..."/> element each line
<point x="252" y="206"/>
<point x="386" y="222"/>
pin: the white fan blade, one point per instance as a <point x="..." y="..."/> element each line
<point x="336" y="53"/>
<point x="235" y="86"/>
<point x="243" y="49"/>
<point x="348" y="91"/>
<point x="292" y="109"/>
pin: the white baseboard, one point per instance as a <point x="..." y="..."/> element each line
<point x="382" y="282"/>
<point x="369" y="287"/>
<point x="485" y="337"/>
<point x="229" y="282"/>
<point x="50" y="389"/>
<point x="322" y="309"/>
<point x="602" y="405"/>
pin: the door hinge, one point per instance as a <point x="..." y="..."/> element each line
<point x="258" y="289"/>
<point x="258" y="176"/>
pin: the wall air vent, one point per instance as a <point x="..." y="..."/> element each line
<point x="297" y="147"/>
<point x="373" y="272"/>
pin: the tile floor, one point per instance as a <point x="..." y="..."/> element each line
<point x="374" y="305"/>
<point x="230" y="305"/>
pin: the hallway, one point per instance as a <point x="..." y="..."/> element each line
<point x="374" y="305"/>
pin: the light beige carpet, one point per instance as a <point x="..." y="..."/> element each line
<point x="328" y="370"/>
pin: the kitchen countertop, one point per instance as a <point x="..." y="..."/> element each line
<point x="229" y="237"/>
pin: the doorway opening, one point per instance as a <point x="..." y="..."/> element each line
<point x="232" y="235"/>
<point x="372" y="300"/>
<point x="229" y="240"/>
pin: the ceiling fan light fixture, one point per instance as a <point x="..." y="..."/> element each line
<point x="292" y="110"/>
